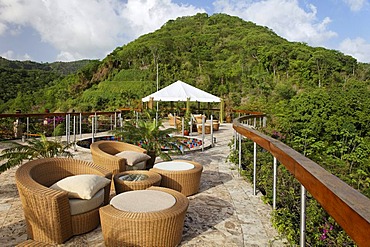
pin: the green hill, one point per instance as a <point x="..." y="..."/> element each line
<point x="317" y="100"/>
<point x="240" y="61"/>
<point x="27" y="77"/>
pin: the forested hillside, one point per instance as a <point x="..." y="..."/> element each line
<point x="246" y="64"/>
<point x="27" y="77"/>
<point x="317" y="100"/>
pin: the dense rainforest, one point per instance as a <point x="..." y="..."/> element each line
<point x="317" y="100"/>
<point x="27" y="77"/>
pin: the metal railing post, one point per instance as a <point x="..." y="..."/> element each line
<point x="74" y="132"/>
<point x="115" y="120"/>
<point x="240" y="152"/>
<point x="28" y="126"/>
<point x="67" y="128"/>
<point x="203" y="130"/>
<point x="80" y="125"/>
<point x="235" y="139"/>
<point x="274" y="185"/>
<point x="54" y="125"/>
<point x="254" y="167"/>
<point x="212" y="141"/>
<point x="302" y="240"/>
<point x="96" y="124"/>
<point x="120" y="120"/>
<point x="92" y="128"/>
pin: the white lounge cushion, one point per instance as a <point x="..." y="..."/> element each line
<point x="132" y="157"/>
<point x="82" y="186"/>
<point x="143" y="201"/>
<point x="138" y="166"/>
<point x="79" y="206"/>
<point x="174" y="166"/>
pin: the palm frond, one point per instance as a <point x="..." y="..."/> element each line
<point x="33" y="149"/>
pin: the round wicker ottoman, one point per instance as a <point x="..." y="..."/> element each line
<point x="151" y="217"/>
<point x="135" y="180"/>
<point x="181" y="175"/>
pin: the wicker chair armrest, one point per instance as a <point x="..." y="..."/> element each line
<point x="45" y="208"/>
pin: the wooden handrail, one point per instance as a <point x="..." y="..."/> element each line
<point x="348" y="207"/>
<point x="54" y="114"/>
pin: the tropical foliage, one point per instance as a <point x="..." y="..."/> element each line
<point x="33" y="149"/>
<point x="150" y="134"/>
<point x="246" y="64"/>
<point x="330" y="126"/>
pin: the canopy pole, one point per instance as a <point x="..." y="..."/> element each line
<point x="222" y="111"/>
<point x="187" y="105"/>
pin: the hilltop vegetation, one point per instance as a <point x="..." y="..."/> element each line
<point x="246" y="64"/>
<point x="26" y="78"/>
<point x="317" y="100"/>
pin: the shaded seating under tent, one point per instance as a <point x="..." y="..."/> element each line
<point x="180" y="91"/>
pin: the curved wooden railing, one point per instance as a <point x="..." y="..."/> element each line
<point x="348" y="207"/>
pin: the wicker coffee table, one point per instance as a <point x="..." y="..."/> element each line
<point x="152" y="217"/>
<point x="181" y="175"/>
<point x="135" y="180"/>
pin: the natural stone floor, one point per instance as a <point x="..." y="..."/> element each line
<point x="223" y="213"/>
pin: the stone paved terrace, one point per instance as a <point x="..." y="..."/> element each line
<point x="223" y="213"/>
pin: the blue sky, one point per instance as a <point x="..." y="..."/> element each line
<point x="51" y="30"/>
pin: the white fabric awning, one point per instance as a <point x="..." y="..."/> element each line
<point x="181" y="91"/>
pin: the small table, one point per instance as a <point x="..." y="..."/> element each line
<point x="151" y="217"/>
<point x="181" y="175"/>
<point x="135" y="180"/>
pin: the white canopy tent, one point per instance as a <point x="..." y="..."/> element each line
<point x="181" y="91"/>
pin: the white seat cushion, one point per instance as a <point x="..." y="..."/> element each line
<point x="79" y="206"/>
<point x="174" y="166"/>
<point x="143" y="201"/>
<point x="138" y="166"/>
<point x="133" y="157"/>
<point x="82" y="186"/>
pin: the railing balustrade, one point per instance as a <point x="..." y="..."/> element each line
<point x="33" y="124"/>
<point x="348" y="207"/>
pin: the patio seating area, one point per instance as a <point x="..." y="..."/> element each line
<point x="224" y="212"/>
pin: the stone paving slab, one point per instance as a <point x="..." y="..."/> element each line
<point x="223" y="213"/>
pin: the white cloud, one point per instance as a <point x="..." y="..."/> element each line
<point x="355" y="5"/>
<point x="357" y="48"/>
<point x="3" y="28"/>
<point x="285" y="17"/>
<point x="148" y="15"/>
<point x="10" y="55"/>
<point x="89" y="28"/>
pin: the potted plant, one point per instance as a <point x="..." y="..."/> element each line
<point x="150" y="135"/>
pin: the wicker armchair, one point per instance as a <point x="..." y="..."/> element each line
<point x="47" y="211"/>
<point x="171" y="120"/>
<point x="103" y="154"/>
